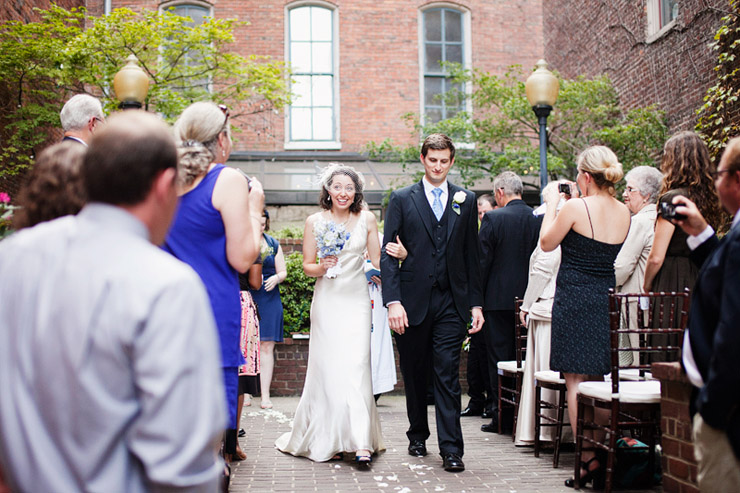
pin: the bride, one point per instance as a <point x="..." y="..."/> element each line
<point x="337" y="410"/>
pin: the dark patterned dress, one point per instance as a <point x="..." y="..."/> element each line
<point x="580" y="312"/>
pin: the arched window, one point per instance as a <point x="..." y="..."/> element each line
<point x="311" y="51"/>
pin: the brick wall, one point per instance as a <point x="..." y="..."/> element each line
<point x="673" y="71"/>
<point x="291" y="360"/>
<point x="22" y="10"/>
<point x="679" y="465"/>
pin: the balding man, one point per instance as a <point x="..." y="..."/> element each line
<point x="109" y="358"/>
<point x="80" y="117"/>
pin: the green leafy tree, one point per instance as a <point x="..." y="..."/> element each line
<point x="68" y="51"/>
<point x="719" y="117"/>
<point x="504" y="129"/>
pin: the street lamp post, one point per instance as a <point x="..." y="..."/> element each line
<point x="542" y="91"/>
<point x="131" y="84"/>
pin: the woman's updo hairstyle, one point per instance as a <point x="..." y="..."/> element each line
<point x="602" y="164"/>
<point x="197" y="129"/>
<point x="328" y="175"/>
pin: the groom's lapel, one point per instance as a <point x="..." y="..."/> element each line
<point x="422" y="206"/>
<point x="452" y="216"/>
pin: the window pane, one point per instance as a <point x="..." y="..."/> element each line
<point x="300" y="124"/>
<point x="300" y="24"/>
<point x="432" y="90"/>
<point x="453" y="26"/>
<point x="453" y="53"/>
<point x="300" y="57"/>
<point x="321" y="29"/>
<point x="668" y="11"/>
<point x="323" y="123"/>
<point x="322" y="90"/>
<point x="433" y="115"/>
<point x="301" y="90"/>
<point x="433" y="57"/>
<point x="433" y="25"/>
<point x="197" y="14"/>
<point x="322" y="57"/>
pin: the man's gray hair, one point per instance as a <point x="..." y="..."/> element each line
<point x="509" y="182"/>
<point x="648" y="180"/>
<point x="78" y="111"/>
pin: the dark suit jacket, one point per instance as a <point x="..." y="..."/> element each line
<point x="508" y="236"/>
<point x="714" y="333"/>
<point x="408" y="217"/>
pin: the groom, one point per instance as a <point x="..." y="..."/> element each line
<point x="431" y="294"/>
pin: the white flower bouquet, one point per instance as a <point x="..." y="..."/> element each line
<point x="330" y="239"/>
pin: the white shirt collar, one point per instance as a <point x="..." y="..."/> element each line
<point x="428" y="187"/>
<point x="77" y="139"/>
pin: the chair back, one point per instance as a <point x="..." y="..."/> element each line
<point x="656" y="313"/>
<point x="520" y="334"/>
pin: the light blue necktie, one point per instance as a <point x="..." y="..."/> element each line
<point x="437" y="204"/>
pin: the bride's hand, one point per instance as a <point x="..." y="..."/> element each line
<point x="396" y="250"/>
<point x="328" y="262"/>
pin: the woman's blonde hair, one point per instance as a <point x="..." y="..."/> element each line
<point x="197" y="130"/>
<point x="602" y="164"/>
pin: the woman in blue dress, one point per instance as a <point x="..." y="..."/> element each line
<point x="267" y="299"/>
<point x="216" y="231"/>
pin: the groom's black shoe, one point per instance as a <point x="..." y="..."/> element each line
<point x="491" y="427"/>
<point x="471" y="411"/>
<point x="452" y="463"/>
<point x="417" y="448"/>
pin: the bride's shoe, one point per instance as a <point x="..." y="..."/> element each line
<point x="363" y="457"/>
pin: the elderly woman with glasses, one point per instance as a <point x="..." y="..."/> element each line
<point x="216" y="231"/>
<point x="640" y="196"/>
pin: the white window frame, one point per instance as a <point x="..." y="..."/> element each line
<point x="336" y="143"/>
<point x="467" y="51"/>
<point x="654" y="30"/>
<point x="164" y="6"/>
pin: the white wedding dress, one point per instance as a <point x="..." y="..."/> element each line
<point x="337" y="410"/>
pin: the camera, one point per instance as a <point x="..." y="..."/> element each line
<point x="564" y="188"/>
<point x="668" y="212"/>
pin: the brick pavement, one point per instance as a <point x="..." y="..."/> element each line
<point x="492" y="462"/>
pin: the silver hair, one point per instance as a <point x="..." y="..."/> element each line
<point x="509" y="182"/>
<point x="648" y="181"/>
<point x="78" y="110"/>
<point x="203" y="122"/>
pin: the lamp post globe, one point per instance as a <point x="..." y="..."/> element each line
<point x="131" y="84"/>
<point x="542" y="89"/>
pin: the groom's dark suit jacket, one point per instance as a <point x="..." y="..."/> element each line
<point x="409" y="216"/>
<point x="714" y="332"/>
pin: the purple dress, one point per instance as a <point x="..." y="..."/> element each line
<point x="198" y="238"/>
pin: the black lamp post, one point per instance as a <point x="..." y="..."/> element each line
<point x="542" y="91"/>
<point x="131" y="84"/>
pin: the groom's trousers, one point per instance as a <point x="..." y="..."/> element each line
<point x="439" y="338"/>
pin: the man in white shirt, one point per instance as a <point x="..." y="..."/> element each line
<point x="712" y="339"/>
<point x="109" y="359"/>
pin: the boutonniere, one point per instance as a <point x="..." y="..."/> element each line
<point x="458" y="199"/>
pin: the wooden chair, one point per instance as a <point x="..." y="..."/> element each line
<point x="631" y="405"/>
<point x="550" y="380"/>
<point x="512" y="371"/>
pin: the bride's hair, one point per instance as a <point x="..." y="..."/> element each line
<point x="328" y="174"/>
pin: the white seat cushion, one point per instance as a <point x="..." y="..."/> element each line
<point x="549" y="376"/>
<point x="633" y="374"/>
<point x="510" y="366"/>
<point x="629" y="392"/>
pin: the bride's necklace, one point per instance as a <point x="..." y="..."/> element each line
<point x="346" y="221"/>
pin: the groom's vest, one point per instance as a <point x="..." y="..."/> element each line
<point x="439" y="255"/>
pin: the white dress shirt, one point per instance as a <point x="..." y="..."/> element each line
<point x="428" y="187"/>
<point x="109" y="361"/>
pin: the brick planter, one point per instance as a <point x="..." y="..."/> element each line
<point x="679" y="465"/>
<point x="291" y="359"/>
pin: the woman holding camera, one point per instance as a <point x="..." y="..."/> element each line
<point x="687" y="170"/>
<point x="590" y="231"/>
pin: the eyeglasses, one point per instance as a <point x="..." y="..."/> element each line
<point x="630" y="190"/>
<point x="338" y="188"/>
<point x="716" y="174"/>
<point x="225" y="111"/>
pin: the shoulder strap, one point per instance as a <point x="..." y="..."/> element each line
<point x="589" y="218"/>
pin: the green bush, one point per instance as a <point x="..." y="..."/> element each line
<point x="296" y="293"/>
<point x="288" y="232"/>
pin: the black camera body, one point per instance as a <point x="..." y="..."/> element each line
<point x="564" y="188"/>
<point x="668" y="212"/>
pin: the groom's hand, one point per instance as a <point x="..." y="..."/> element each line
<point x="397" y="318"/>
<point x="477" y="322"/>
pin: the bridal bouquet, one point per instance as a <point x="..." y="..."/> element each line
<point x="330" y="239"/>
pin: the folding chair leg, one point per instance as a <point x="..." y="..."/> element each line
<point x="579" y="446"/>
<point x="517" y="399"/>
<point x="559" y="428"/>
<point x="500" y="412"/>
<point x="537" y="412"/>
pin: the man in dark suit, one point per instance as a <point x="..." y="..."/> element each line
<point x="711" y="354"/>
<point x="508" y="236"/>
<point x="80" y="116"/>
<point x="431" y="295"/>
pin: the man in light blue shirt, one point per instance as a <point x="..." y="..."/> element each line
<point x="109" y="361"/>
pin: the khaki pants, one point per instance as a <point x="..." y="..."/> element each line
<point x="719" y="469"/>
